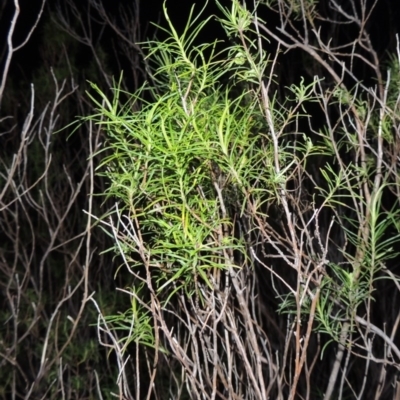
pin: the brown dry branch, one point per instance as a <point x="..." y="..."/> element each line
<point x="49" y="257"/>
<point x="36" y="211"/>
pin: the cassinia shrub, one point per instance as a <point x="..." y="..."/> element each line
<point x="227" y="195"/>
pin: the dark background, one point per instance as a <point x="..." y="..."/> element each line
<point x="384" y="24"/>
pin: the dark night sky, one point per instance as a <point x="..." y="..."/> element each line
<point x="151" y="11"/>
<point x="385" y="23"/>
